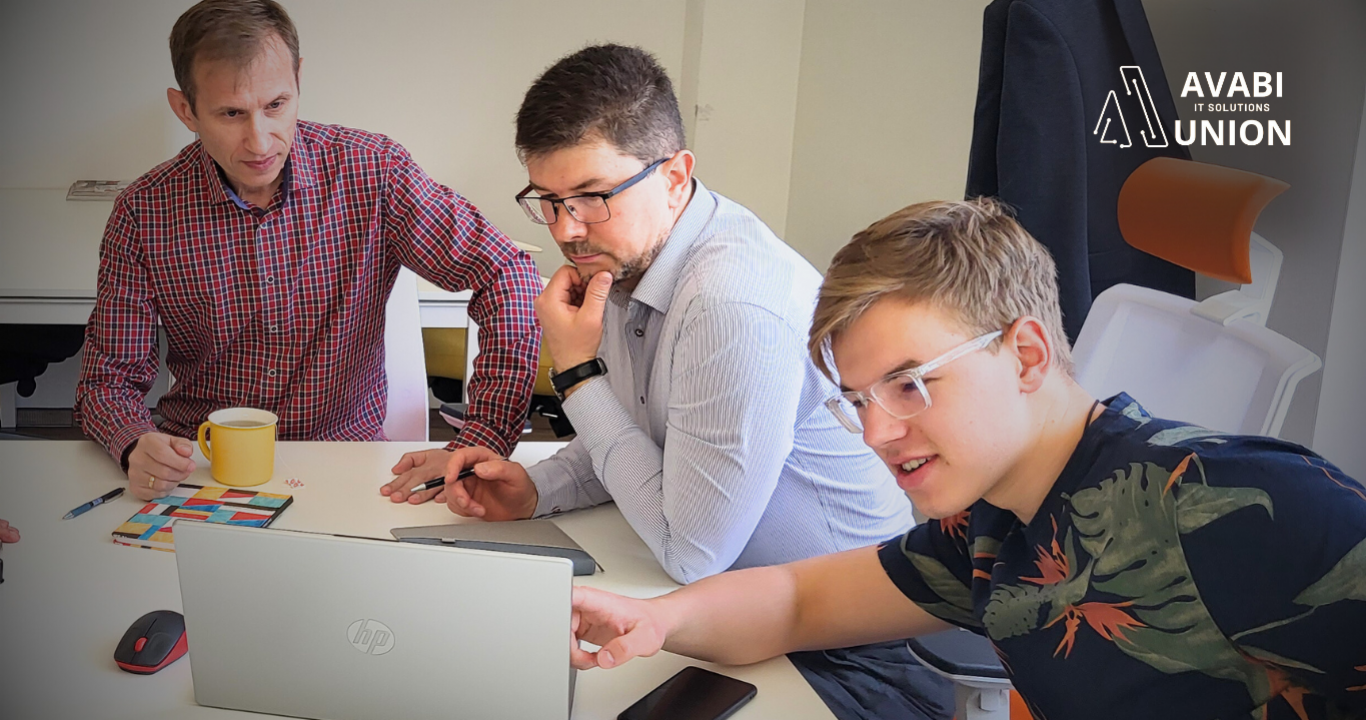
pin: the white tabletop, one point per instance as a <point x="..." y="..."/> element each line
<point x="70" y="592"/>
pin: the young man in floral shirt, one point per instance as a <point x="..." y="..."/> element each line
<point x="1123" y="566"/>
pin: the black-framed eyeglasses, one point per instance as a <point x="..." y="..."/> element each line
<point x="587" y="208"/>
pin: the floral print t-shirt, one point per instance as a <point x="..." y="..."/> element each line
<point x="1172" y="572"/>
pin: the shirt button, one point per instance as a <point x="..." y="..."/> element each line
<point x="640" y="333"/>
<point x="270" y="279"/>
<point x="274" y="328"/>
<point x="270" y="372"/>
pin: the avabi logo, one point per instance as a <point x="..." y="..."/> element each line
<point x="1154" y="136"/>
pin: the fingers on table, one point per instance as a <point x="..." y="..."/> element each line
<point x="409" y="461"/>
<point x="424" y="496"/>
<point x="413" y="469"/>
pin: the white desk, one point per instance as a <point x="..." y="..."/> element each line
<point x="70" y="592"/>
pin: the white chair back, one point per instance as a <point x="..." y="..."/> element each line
<point x="1237" y="377"/>
<point x="407" y="416"/>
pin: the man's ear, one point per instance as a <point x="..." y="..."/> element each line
<point x="678" y="174"/>
<point x="1027" y="340"/>
<point x="182" y="109"/>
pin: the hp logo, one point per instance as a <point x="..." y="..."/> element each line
<point x="371" y="637"/>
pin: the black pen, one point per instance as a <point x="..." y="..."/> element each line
<point x="441" y="482"/>
<point x="94" y="503"/>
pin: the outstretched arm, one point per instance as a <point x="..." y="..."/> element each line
<point x="750" y="615"/>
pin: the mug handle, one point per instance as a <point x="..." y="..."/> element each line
<point x="203" y="441"/>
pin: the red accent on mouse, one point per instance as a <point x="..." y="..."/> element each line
<point x="152" y="642"/>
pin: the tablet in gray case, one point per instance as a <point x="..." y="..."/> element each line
<point x="527" y="537"/>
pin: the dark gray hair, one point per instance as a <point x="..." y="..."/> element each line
<point x="616" y="93"/>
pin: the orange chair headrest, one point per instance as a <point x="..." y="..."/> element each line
<point x="1196" y="215"/>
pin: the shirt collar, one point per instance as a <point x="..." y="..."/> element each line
<point x="299" y="172"/>
<point x="656" y="288"/>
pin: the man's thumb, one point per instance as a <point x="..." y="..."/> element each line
<point x="182" y="446"/>
<point x="599" y="287"/>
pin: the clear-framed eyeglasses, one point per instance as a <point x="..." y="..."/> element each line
<point x="902" y="394"/>
<point x="588" y="208"/>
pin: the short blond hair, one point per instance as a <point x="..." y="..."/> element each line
<point x="970" y="259"/>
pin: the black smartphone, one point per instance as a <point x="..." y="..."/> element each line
<point x="692" y="694"/>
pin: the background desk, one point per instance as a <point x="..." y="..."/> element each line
<point x="69" y="592"/>
<point x="49" y="259"/>
<point x="51" y="255"/>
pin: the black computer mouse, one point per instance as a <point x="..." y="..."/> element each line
<point x="154" y="641"/>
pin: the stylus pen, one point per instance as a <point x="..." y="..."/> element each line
<point x="94" y="503"/>
<point x="441" y="482"/>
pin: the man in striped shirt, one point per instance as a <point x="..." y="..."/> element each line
<point x="706" y="428"/>
<point x="267" y="250"/>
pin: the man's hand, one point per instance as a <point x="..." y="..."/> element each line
<point x="498" y="490"/>
<point x="624" y="628"/>
<point x="413" y="469"/>
<point x="571" y="316"/>
<point x="159" y="463"/>
<point x="8" y="533"/>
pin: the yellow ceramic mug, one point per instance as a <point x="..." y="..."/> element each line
<point x="243" y="445"/>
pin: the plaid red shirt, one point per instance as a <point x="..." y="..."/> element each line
<point x="283" y="308"/>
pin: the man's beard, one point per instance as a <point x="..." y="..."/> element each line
<point x="629" y="270"/>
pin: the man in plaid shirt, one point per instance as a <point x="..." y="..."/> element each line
<point x="267" y="250"/>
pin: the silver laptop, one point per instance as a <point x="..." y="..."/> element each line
<point x="339" y="628"/>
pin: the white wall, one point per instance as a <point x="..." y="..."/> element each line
<point x="742" y="110"/>
<point x="821" y="116"/>
<point x="85" y="83"/>
<point x="1342" y="408"/>
<point x="884" y="114"/>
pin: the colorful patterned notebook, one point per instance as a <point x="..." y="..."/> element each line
<point x="151" y="527"/>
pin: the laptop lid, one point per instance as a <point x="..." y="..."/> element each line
<point x="528" y="537"/>
<point x="341" y="628"/>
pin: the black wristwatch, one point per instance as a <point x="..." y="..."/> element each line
<point x="562" y="381"/>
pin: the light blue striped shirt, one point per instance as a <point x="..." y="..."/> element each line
<point x="708" y="429"/>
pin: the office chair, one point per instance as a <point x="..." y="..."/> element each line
<point x="1213" y="363"/>
<point x="1228" y="372"/>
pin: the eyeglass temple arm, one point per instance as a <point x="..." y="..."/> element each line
<point x="967" y="347"/>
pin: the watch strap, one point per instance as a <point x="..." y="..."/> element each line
<point x="562" y="381"/>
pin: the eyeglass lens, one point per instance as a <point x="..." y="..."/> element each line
<point x="899" y="396"/>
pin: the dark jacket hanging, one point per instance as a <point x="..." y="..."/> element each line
<point x="1048" y="67"/>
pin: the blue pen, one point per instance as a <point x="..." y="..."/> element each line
<point x="94" y="503"/>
